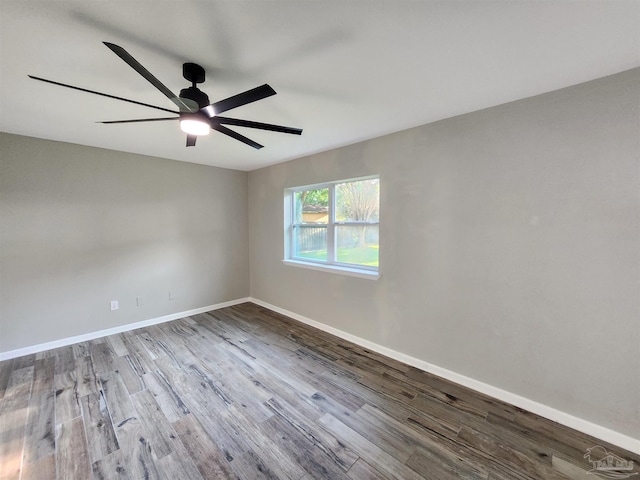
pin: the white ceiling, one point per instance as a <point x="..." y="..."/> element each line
<point x="345" y="71"/>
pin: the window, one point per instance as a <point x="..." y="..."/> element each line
<point x="334" y="225"/>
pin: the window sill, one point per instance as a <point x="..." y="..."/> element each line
<point x="353" y="272"/>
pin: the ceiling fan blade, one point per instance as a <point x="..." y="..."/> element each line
<point x="236" y="135"/>
<point x="102" y="94"/>
<point x="243" y="98"/>
<point x="137" y="66"/>
<point x="141" y="120"/>
<point x="262" y="126"/>
<point x="191" y="140"/>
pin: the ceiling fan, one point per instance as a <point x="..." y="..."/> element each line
<point x="196" y="115"/>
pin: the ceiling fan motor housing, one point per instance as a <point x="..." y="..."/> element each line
<point x="195" y="94"/>
<point x="194" y="73"/>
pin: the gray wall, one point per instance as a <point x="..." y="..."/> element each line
<point x="81" y="226"/>
<point x="509" y="247"/>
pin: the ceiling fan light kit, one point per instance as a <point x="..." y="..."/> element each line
<point x="196" y="115"/>
<point x="194" y="126"/>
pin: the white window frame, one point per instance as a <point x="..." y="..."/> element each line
<point x="330" y="265"/>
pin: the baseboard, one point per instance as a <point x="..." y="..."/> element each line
<point x="111" y="331"/>
<point x="598" y="431"/>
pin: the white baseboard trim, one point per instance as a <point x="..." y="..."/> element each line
<point x="63" y="342"/>
<point x="611" y="436"/>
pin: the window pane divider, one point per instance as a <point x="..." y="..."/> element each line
<point x="331" y="231"/>
<point x="355" y="224"/>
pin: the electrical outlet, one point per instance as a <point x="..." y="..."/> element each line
<point x="139" y="301"/>
<point x="114" y="305"/>
<point x="171" y="296"/>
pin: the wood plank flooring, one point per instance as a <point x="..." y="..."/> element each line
<point x="246" y="393"/>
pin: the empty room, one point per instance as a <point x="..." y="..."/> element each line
<point x="275" y="239"/>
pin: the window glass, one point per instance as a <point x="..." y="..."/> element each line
<point x="310" y="243"/>
<point x="358" y="201"/>
<point x="312" y="206"/>
<point x="357" y="244"/>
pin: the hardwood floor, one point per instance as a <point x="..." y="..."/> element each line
<point x="246" y="393"/>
